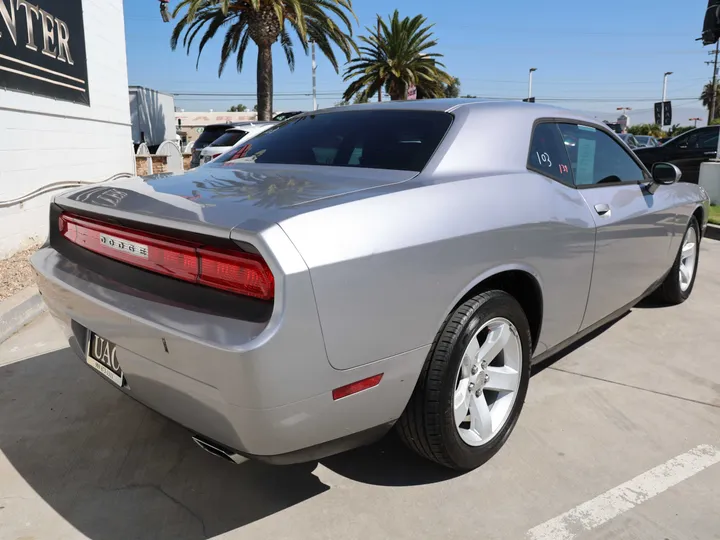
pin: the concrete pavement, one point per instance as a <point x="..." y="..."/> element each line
<point x="80" y="460"/>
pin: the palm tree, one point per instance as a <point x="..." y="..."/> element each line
<point x="706" y="98"/>
<point x="265" y="22"/>
<point x="395" y="56"/>
<point x="452" y="90"/>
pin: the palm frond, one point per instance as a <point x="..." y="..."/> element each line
<point x="287" y="46"/>
<point x="397" y="54"/>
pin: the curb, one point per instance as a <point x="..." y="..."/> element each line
<point x="712" y="232"/>
<point x="19" y="310"/>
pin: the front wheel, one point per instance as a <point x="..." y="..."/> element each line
<point x="472" y="389"/>
<point x="679" y="283"/>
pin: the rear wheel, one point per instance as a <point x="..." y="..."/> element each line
<point x="679" y="283"/>
<point x="473" y="386"/>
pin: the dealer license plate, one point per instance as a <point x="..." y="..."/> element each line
<point x="101" y="354"/>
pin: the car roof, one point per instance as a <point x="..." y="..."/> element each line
<point x="538" y="110"/>
<point x="251" y="125"/>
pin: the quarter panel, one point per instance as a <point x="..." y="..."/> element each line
<point x="387" y="270"/>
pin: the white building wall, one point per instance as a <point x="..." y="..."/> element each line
<point x="152" y="113"/>
<point x="43" y="141"/>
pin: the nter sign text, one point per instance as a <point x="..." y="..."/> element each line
<point x="42" y="49"/>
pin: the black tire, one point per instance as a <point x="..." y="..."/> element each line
<point x="670" y="292"/>
<point x="427" y="425"/>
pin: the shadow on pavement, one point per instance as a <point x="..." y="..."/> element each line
<point x="117" y="471"/>
<point x="550" y="361"/>
<point x="388" y="463"/>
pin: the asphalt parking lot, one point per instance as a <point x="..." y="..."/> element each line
<point x="619" y="439"/>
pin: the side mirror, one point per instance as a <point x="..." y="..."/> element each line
<point x="663" y="174"/>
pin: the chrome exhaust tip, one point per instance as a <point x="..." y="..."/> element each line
<point x="215" y="450"/>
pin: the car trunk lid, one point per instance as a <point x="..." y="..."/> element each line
<point x="220" y="198"/>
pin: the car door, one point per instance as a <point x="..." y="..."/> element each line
<point x="690" y="150"/>
<point x="633" y="227"/>
<point x="565" y="257"/>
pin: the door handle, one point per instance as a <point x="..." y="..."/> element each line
<point x="710" y="153"/>
<point x="603" y="210"/>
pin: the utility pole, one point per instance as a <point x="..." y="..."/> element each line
<point x="714" y="63"/>
<point x="314" y="69"/>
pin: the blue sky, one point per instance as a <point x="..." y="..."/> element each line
<point x="590" y="56"/>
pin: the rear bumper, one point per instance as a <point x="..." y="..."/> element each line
<point x="262" y="389"/>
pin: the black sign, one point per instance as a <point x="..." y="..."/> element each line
<point x="42" y="49"/>
<point x="667" y="105"/>
<point x="658" y="113"/>
<point x="711" y="24"/>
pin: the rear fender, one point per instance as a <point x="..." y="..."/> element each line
<point x="486" y="276"/>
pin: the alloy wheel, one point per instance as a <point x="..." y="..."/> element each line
<point x="687" y="258"/>
<point x="487" y="382"/>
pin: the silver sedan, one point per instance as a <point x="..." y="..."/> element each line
<point x="358" y="269"/>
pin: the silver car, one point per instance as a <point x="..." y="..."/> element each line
<point x="354" y="269"/>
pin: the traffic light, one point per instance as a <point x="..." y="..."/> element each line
<point x="711" y="26"/>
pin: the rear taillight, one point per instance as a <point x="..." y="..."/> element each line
<point x="229" y="270"/>
<point x="248" y="274"/>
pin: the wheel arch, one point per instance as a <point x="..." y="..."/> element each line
<point x="521" y="282"/>
<point x="699" y="214"/>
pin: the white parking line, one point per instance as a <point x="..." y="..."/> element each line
<point x="624" y="497"/>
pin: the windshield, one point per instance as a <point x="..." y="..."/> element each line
<point x="379" y="139"/>
<point x="229" y="138"/>
<point x="643" y="139"/>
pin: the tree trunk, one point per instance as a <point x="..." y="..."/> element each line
<point x="265" y="82"/>
<point x="397" y="91"/>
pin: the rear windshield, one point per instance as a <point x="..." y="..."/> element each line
<point x="378" y="139"/>
<point x="229" y="138"/>
<point x="211" y="133"/>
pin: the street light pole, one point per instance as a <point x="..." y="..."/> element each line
<point x="696" y="120"/>
<point x="714" y="83"/>
<point x="532" y="70"/>
<point x="314" y="69"/>
<point x="664" y="97"/>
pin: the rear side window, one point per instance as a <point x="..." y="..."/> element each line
<point x="706" y="140"/>
<point x="596" y="158"/>
<point x="379" y="139"/>
<point x="548" y="155"/>
<point x="211" y="133"/>
<point x="229" y="138"/>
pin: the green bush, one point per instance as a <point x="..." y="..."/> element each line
<point x="647" y="129"/>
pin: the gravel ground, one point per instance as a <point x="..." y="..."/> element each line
<point x="16" y="273"/>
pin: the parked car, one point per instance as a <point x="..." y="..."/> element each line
<point x="630" y="140"/>
<point x="285" y="115"/>
<point x="399" y="264"/>
<point x="647" y="141"/>
<point x="686" y="151"/>
<point x="232" y="137"/>
<point x="210" y="133"/>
